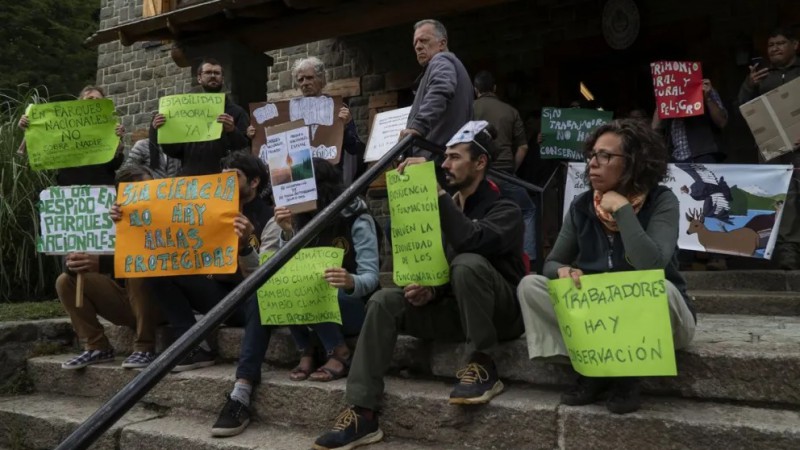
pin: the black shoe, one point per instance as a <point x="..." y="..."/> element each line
<point x="586" y="391"/>
<point x="196" y="359"/>
<point x="624" y="397"/>
<point x="477" y="384"/>
<point x="232" y="420"/>
<point x="351" y="430"/>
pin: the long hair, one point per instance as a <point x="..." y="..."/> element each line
<point x="646" y="164"/>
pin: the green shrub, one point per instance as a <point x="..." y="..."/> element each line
<point x="24" y="274"/>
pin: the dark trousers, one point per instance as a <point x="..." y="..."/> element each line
<point x="332" y="334"/>
<point x="179" y="297"/>
<point x="481" y="310"/>
<point x="254" y="343"/>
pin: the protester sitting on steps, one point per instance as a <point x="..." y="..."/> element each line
<point x="626" y="222"/>
<point x="181" y="296"/>
<point x="95" y="174"/>
<point x="121" y="302"/>
<point x="356" y="280"/>
<point x="484" y="234"/>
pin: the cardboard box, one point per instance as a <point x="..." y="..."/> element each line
<point x="774" y="119"/>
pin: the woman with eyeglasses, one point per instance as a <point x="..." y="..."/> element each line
<point x="626" y="222"/>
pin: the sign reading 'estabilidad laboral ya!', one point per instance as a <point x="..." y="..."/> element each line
<point x="190" y="118"/>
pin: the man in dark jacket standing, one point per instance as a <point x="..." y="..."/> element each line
<point x="783" y="67"/>
<point x="203" y="158"/>
<point x="483" y="234"/>
<point x="443" y="97"/>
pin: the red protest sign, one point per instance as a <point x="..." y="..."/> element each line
<point x="678" y="86"/>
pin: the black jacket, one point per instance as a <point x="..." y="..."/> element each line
<point x="202" y="158"/>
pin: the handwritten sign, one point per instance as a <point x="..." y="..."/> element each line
<point x="177" y="226"/>
<point x="75" y="219"/>
<point x="298" y="293"/>
<point x="291" y="168"/>
<point x="678" y="87"/>
<point x="564" y="131"/>
<point x="385" y="132"/>
<point x="617" y="324"/>
<point x="71" y="134"/>
<point x="320" y="114"/>
<point x="417" y="250"/>
<point x="190" y="117"/>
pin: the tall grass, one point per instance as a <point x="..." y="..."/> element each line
<point x="24" y="274"/>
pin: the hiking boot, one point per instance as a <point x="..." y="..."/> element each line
<point x="587" y="390"/>
<point x="351" y="430"/>
<point x="89" y="357"/>
<point x="232" y="420"/>
<point x="624" y="396"/>
<point x="477" y="384"/>
<point x="138" y="360"/>
<point x="196" y="359"/>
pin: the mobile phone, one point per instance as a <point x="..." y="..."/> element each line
<point x="757" y="62"/>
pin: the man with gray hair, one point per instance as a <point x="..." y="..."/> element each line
<point x="443" y="97"/>
<point x="309" y="77"/>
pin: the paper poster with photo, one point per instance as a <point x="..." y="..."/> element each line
<point x="678" y="88"/>
<point x="731" y="209"/>
<point x="320" y="114"/>
<point x="291" y="169"/>
<point x="385" y="132"/>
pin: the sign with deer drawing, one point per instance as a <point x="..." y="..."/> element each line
<point x="732" y="209"/>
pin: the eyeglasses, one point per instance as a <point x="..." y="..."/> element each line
<point x="603" y="157"/>
<point x="212" y="73"/>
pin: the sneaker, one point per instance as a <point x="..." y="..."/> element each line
<point x="587" y="390"/>
<point x="196" y="359"/>
<point x="624" y="396"/>
<point x="351" y="430"/>
<point x="477" y="384"/>
<point x="89" y="357"/>
<point x="138" y="360"/>
<point x="232" y="420"/>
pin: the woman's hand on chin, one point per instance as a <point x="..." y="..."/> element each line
<point x="612" y="201"/>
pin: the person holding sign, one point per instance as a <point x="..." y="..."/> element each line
<point x="97" y="174"/>
<point x="355" y="232"/>
<point x="121" y="302"/>
<point x="202" y="158"/>
<point x="626" y="222"/>
<point x="483" y="233"/>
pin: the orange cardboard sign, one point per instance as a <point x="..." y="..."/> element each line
<point x="177" y="226"/>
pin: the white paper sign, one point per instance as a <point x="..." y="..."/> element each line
<point x="385" y="132"/>
<point x="291" y="169"/>
<point x="731" y="209"/>
<point x="75" y="219"/>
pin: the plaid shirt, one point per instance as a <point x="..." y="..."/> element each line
<point x="677" y="132"/>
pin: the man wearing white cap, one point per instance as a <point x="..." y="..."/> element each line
<point x="483" y="236"/>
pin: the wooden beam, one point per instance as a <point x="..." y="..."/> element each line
<point x="349" y="18"/>
<point x="346" y="87"/>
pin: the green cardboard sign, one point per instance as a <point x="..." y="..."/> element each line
<point x="298" y="293"/>
<point x="564" y="131"/>
<point x="190" y="118"/>
<point x="417" y="249"/>
<point x="71" y="134"/>
<point x="617" y="324"/>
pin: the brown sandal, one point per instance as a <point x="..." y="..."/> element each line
<point x="325" y="374"/>
<point x="299" y="373"/>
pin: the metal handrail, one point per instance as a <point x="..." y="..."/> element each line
<point x="102" y="419"/>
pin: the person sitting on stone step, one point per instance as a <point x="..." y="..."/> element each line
<point x="483" y="234"/>
<point x="358" y="277"/>
<point x="121" y="302"/>
<point x="181" y="296"/>
<point x="626" y="222"/>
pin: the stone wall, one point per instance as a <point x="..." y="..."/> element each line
<point x="22" y="340"/>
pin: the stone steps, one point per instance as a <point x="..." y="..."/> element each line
<point x="522" y="417"/>
<point x="747" y="302"/>
<point x="39" y="421"/>
<point x="753" y="280"/>
<point x="733" y="357"/>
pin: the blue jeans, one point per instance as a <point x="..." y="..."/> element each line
<point x="329" y="333"/>
<point x="254" y="343"/>
<point x="519" y="195"/>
